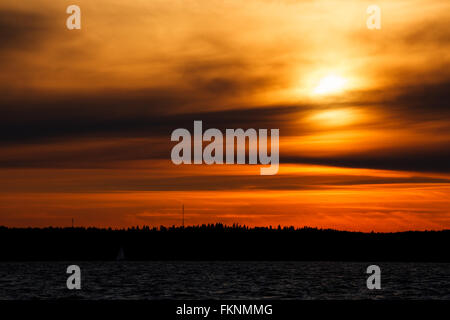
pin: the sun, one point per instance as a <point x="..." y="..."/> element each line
<point x="330" y="84"/>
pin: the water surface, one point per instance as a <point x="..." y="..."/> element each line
<point x="224" y="280"/>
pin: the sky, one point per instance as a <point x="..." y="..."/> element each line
<point x="87" y="115"/>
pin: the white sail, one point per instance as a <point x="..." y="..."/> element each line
<point x="120" y="255"/>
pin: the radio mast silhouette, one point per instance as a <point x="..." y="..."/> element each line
<point x="182" y="209"/>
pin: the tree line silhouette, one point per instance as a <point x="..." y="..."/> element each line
<point x="220" y="242"/>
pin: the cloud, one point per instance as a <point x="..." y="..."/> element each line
<point x="22" y="30"/>
<point x="79" y="89"/>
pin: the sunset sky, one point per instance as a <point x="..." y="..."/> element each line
<point x="87" y="115"/>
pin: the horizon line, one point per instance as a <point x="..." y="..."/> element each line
<point x="217" y="225"/>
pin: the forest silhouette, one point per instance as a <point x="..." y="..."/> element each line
<point x="220" y="242"/>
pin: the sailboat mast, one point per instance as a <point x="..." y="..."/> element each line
<point x="183" y="214"/>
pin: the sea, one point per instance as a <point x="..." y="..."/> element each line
<point x="222" y="280"/>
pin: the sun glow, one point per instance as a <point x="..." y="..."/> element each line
<point x="330" y="84"/>
<point x="339" y="117"/>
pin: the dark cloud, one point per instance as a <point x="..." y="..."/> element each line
<point x="146" y="114"/>
<point x="152" y="114"/>
<point x="157" y="112"/>
<point x="413" y="159"/>
<point x="129" y="180"/>
<point x="428" y="32"/>
<point x="222" y="77"/>
<point x="21" y="30"/>
<point x="428" y="101"/>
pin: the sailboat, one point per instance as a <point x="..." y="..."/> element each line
<point x="120" y="255"/>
